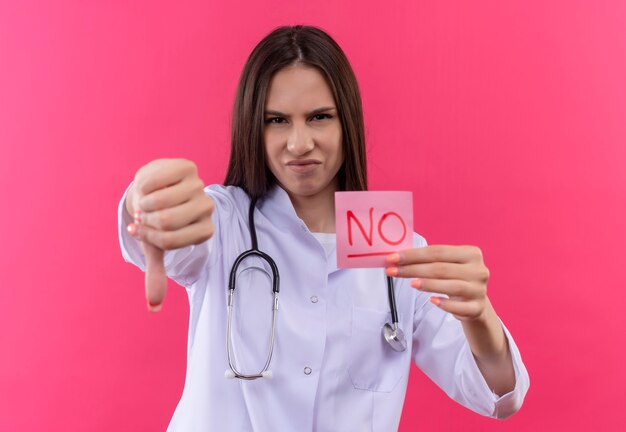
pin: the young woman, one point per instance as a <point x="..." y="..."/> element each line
<point x="321" y="359"/>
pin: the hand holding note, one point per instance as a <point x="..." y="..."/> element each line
<point x="456" y="271"/>
<point x="375" y="229"/>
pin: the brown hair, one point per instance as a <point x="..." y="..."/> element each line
<point x="287" y="46"/>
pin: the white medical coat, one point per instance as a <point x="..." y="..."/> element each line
<point x="332" y="369"/>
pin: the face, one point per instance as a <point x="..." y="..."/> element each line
<point x="303" y="138"/>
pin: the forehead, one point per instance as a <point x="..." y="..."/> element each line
<point x="296" y="88"/>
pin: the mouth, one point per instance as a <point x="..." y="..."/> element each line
<point x="303" y="166"/>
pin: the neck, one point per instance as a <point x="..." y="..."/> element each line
<point x="318" y="211"/>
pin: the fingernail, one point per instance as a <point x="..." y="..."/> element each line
<point x="391" y="271"/>
<point x="137" y="216"/>
<point x="155" y="307"/>
<point x="416" y="283"/>
<point x="132" y="229"/>
<point x="435" y="300"/>
<point x="394" y="258"/>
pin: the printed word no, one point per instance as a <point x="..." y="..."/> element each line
<point x="368" y="233"/>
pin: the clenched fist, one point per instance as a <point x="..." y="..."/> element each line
<point x="170" y="211"/>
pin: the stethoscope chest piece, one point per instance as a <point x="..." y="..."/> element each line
<point x="392" y="332"/>
<point x="394" y="337"/>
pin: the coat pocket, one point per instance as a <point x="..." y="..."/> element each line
<point x="372" y="364"/>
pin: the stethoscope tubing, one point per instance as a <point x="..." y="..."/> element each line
<point x="392" y="300"/>
<point x="232" y="282"/>
<point x="235" y="372"/>
<point x="392" y="334"/>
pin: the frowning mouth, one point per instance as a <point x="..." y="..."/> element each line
<point x="303" y="165"/>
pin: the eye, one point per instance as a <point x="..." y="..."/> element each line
<point x="322" y="116"/>
<point x="274" y="120"/>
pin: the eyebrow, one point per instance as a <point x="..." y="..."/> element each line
<point x="312" y="113"/>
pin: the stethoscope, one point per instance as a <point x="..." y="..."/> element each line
<point x="391" y="331"/>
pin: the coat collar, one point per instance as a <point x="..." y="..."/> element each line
<point x="276" y="206"/>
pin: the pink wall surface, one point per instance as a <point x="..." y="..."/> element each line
<point x="507" y="120"/>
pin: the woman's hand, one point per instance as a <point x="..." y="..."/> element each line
<point x="170" y="211"/>
<point x="460" y="273"/>
<point x="457" y="271"/>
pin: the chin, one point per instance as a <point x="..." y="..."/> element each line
<point x="303" y="190"/>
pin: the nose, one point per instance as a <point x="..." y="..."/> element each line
<point x="300" y="141"/>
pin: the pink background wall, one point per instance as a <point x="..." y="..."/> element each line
<point x="506" y="119"/>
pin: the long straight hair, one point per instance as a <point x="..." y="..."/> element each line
<point x="283" y="47"/>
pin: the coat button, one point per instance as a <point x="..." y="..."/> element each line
<point x="314" y="299"/>
<point x="307" y="370"/>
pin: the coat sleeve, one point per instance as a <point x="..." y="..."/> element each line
<point x="184" y="265"/>
<point x="441" y="351"/>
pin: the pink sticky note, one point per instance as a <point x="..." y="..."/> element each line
<point x="371" y="225"/>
